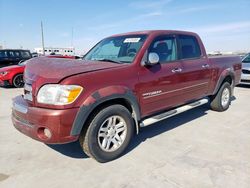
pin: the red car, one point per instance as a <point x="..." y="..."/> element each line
<point x="125" y="82"/>
<point x="13" y="75"/>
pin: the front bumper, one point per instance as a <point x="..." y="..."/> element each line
<point x="32" y="121"/>
<point x="4" y="83"/>
<point x="245" y="79"/>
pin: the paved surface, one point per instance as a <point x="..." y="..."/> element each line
<point x="199" y="148"/>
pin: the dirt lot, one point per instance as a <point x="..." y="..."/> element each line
<point x="199" y="148"/>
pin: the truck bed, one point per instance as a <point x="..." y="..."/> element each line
<point x="220" y="63"/>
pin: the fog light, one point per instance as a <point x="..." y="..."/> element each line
<point x="47" y="133"/>
<point x="44" y="133"/>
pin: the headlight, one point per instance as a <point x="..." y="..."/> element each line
<point x="58" y="94"/>
<point x="4" y="73"/>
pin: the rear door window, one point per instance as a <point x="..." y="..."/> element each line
<point x="189" y="47"/>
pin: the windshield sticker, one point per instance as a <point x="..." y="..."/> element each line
<point x="131" y="40"/>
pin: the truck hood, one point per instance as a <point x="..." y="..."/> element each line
<point x="55" y="69"/>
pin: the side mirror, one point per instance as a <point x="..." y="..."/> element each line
<point x="153" y="58"/>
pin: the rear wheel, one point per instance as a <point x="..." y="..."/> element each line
<point x="18" y="81"/>
<point x="221" y="101"/>
<point x="108" y="134"/>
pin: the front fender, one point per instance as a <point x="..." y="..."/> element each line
<point x="101" y="96"/>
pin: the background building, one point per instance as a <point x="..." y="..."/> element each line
<point x="57" y="51"/>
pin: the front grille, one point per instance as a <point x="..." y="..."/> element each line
<point x="246" y="81"/>
<point x="244" y="71"/>
<point x="28" y="92"/>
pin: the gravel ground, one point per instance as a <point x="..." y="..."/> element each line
<point x="199" y="148"/>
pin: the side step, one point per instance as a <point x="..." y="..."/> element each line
<point x="173" y="112"/>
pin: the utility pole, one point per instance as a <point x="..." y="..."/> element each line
<point x="42" y="38"/>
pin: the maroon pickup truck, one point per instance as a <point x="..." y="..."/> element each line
<point x="125" y="82"/>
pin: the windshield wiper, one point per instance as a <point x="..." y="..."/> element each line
<point x="109" y="60"/>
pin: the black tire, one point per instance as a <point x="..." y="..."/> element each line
<point x="18" y="81"/>
<point x="90" y="140"/>
<point x="217" y="100"/>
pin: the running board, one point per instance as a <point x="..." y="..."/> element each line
<point x="173" y="112"/>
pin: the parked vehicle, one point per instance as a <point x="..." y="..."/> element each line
<point x="13" y="57"/>
<point x="13" y="75"/>
<point x="125" y="82"/>
<point x="34" y="54"/>
<point x="245" y="75"/>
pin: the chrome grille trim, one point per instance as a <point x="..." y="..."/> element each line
<point x="28" y="87"/>
<point x="28" y="92"/>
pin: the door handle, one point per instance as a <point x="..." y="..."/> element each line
<point x="205" y="66"/>
<point x="176" y="70"/>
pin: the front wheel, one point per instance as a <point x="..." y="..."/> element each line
<point x="221" y="101"/>
<point x="108" y="133"/>
<point x="18" y="81"/>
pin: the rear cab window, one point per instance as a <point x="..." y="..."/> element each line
<point x="189" y="47"/>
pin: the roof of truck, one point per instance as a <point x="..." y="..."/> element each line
<point x="149" y="32"/>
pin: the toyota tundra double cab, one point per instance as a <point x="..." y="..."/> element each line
<point x="123" y="83"/>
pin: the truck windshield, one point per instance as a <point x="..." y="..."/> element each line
<point x="121" y="49"/>
<point x="246" y="59"/>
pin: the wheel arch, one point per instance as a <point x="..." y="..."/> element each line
<point x="226" y="76"/>
<point x="127" y="99"/>
<point x="13" y="76"/>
